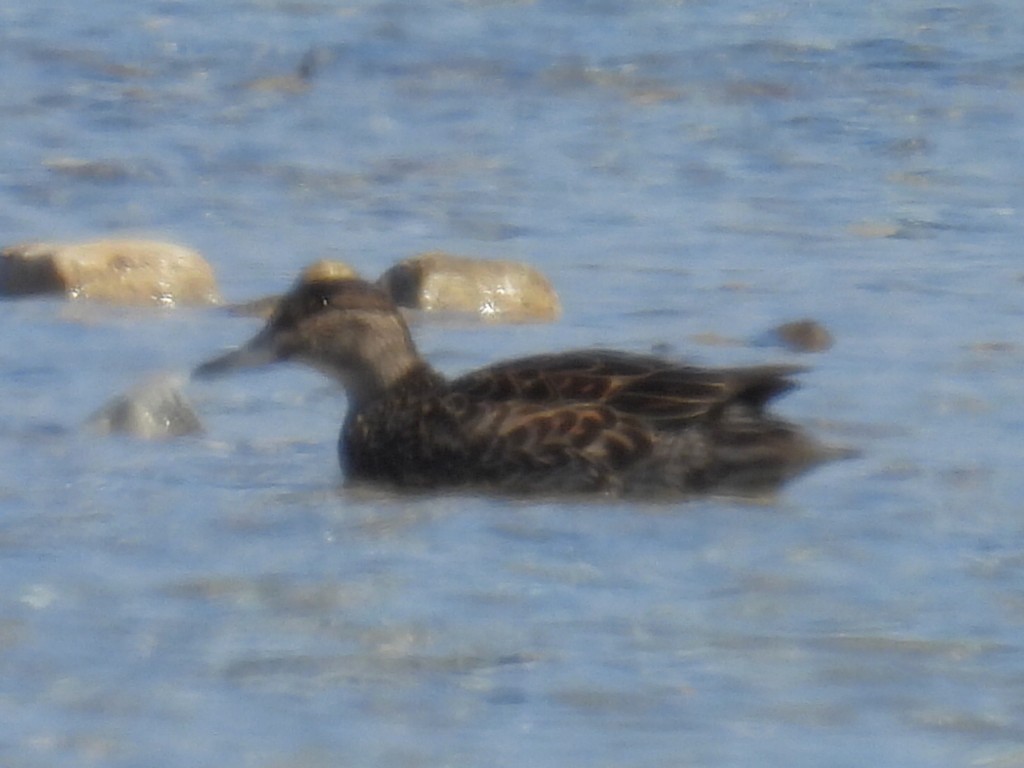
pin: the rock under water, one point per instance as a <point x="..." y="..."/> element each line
<point x="155" y="409"/>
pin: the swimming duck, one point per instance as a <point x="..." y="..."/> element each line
<point x="581" y="421"/>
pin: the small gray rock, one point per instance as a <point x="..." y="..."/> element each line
<point x="154" y="410"/>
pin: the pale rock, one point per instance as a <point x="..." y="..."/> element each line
<point x="494" y="290"/>
<point x="119" y="271"/>
<point x="154" y="410"/>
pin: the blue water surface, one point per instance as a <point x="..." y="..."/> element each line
<point x="689" y="175"/>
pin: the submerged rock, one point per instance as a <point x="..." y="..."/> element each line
<point x="494" y="290"/>
<point x="154" y="410"/>
<point x="802" y="336"/>
<point x="119" y="271"/>
<point x="295" y="82"/>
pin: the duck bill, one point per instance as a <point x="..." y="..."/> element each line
<point x="262" y="350"/>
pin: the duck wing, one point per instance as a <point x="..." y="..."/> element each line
<point x="568" y="446"/>
<point x="670" y="394"/>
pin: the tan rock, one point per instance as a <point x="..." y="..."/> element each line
<point x="117" y="271"/>
<point x="875" y="229"/>
<point x="495" y="290"/>
<point x="324" y="269"/>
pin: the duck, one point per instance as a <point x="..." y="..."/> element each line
<point x="588" y="421"/>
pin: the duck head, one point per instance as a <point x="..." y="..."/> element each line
<point x="345" y="327"/>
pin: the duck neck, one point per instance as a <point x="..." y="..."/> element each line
<point x="382" y="363"/>
<point x="390" y="371"/>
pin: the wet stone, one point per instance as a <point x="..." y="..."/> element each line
<point x="119" y="271"/>
<point x="156" y="409"/>
<point x="494" y="290"/>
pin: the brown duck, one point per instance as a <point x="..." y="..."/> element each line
<point x="582" y="421"/>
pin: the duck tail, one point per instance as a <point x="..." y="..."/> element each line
<point x="759" y="456"/>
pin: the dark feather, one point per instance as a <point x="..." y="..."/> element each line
<point x="649" y="387"/>
<point x="583" y="421"/>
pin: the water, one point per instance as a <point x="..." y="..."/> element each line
<point x="678" y="170"/>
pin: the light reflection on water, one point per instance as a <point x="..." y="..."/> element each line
<point x="683" y="173"/>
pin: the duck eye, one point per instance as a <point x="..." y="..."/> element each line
<point x="318" y="301"/>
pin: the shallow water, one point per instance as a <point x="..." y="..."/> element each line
<point x="683" y="172"/>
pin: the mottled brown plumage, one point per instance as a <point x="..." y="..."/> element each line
<point x="574" y="422"/>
